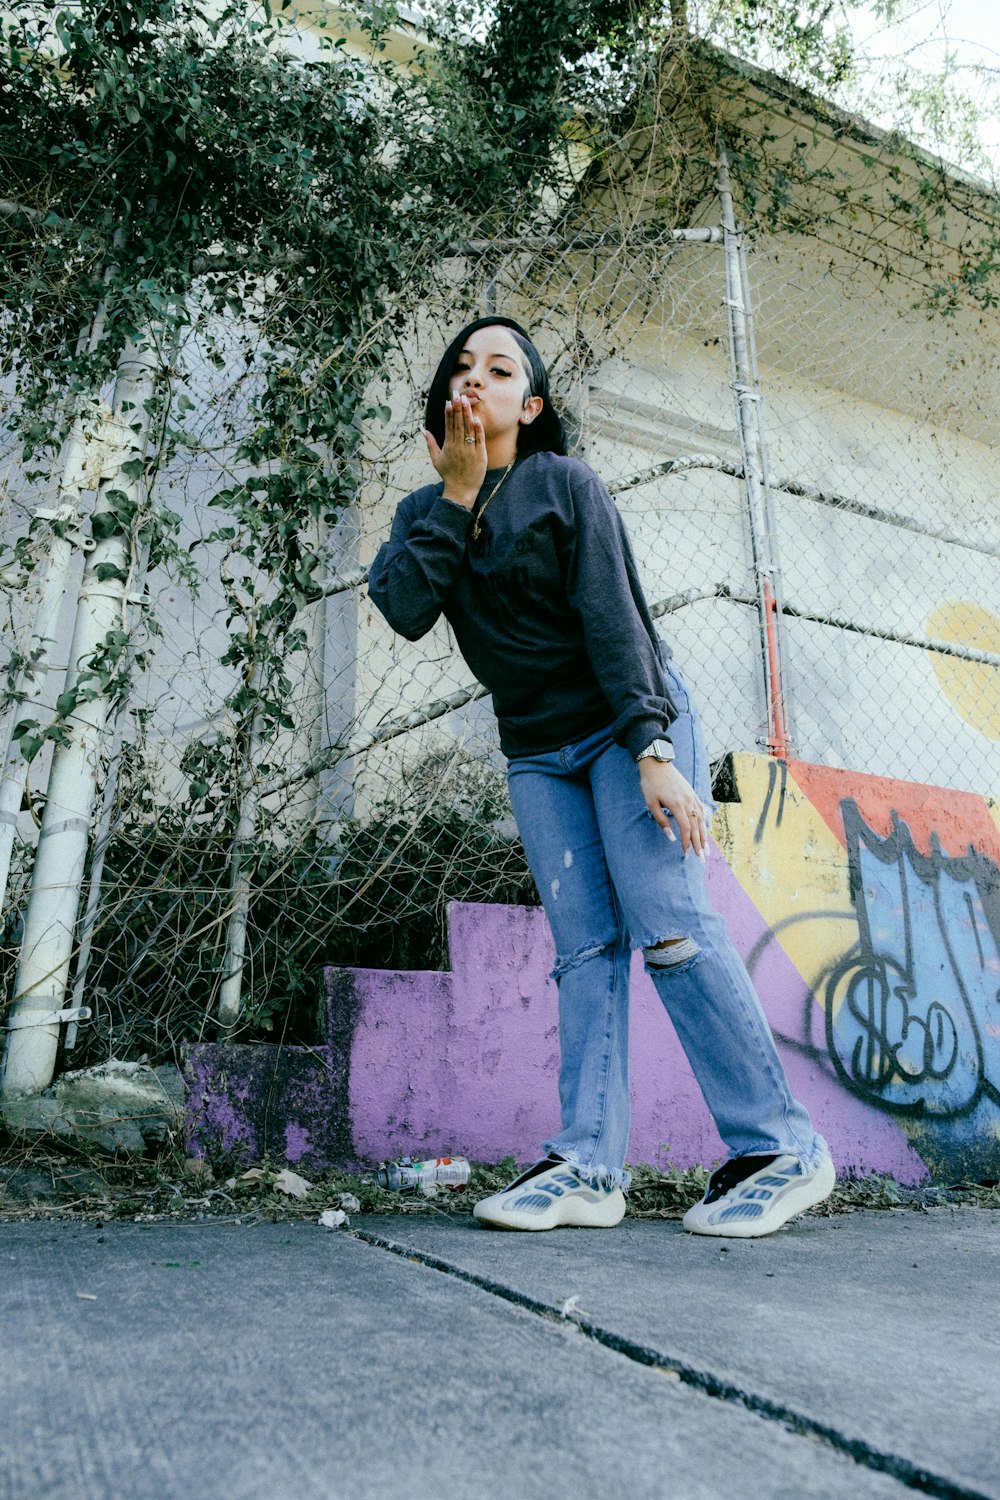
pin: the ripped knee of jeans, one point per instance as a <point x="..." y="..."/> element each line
<point x="568" y="961"/>
<point x="673" y="953"/>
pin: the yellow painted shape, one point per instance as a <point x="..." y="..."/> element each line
<point x="971" y="687"/>
<point x="798" y="867"/>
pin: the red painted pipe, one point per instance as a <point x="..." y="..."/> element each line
<point x="777" y="740"/>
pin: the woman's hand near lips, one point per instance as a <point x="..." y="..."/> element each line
<point x="461" y="459"/>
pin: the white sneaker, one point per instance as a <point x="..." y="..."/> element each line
<point x="752" y="1196"/>
<point x="548" y="1195"/>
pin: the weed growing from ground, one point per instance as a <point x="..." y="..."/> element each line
<point x="44" y="1180"/>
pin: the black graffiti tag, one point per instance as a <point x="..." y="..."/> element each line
<point x="905" y="1009"/>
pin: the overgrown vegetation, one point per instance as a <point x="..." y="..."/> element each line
<point x="41" y="1181"/>
<point x="376" y="897"/>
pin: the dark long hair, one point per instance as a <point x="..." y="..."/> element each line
<point x="544" y="435"/>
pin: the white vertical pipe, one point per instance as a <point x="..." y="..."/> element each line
<point x="53" y="902"/>
<point x="231" y="989"/>
<point x="86" y="936"/>
<point x="64" y="538"/>
<point x="29" y="688"/>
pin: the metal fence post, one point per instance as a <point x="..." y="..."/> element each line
<point x="746" y="392"/>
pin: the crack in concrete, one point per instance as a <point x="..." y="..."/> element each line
<point x="913" y="1476"/>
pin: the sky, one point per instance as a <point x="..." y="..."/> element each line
<point x="899" y="68"/>
<point x="964" y="34"/>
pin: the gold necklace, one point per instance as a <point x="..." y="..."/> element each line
<point x="476" y="528"/>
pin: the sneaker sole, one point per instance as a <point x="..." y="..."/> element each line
<point x="562" y="1215"/>
<point x="796" y="1201"/>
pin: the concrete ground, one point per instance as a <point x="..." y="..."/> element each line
<point x="418" y="1357"/>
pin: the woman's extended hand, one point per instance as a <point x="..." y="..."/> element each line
<point x="461" y="460"/>
<point x="666" y="791"/>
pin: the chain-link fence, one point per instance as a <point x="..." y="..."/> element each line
<point x="880" y="424"/>
<point x="804" y="462"/>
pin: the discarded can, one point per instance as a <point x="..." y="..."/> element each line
<point x="446" y="1171"/>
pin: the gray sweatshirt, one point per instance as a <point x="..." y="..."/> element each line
<point x="546" y="606"/>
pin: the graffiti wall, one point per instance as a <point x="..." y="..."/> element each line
<point x="868" y="912"/>
<point x="884" y="896"/>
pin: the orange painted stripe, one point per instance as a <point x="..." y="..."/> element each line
<point x="957" y="819"/>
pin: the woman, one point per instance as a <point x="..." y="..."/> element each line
<point x="523" y="551"/>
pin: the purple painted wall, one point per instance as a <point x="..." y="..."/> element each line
<point x="467" y="1062"/>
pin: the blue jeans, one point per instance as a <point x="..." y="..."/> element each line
<point x="610" y="880"/>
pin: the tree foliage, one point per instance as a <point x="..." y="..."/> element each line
<point x="181" y="162"/>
